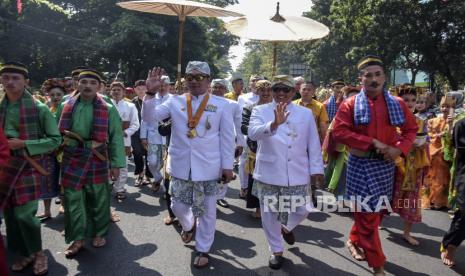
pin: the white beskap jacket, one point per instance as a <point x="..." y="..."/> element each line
<point x="128" y="112"/>
<point x="236" y="112"/>
<point x="290" y="154"/>
<point x="210" y="151"/>
<point x="149" y="130"/>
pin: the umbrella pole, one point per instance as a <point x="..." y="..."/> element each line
<point x="275" y="46"/>
<point x="182" y="19"/>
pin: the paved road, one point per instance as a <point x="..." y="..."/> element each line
<point x="141" y="244"/>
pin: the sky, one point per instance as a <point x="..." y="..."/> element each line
<point x="264" y="7"/>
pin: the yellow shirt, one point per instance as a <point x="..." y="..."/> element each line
<point x="232" y="96"/>
<point x="318" y="110"/>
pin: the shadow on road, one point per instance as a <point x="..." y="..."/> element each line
<point x="118" y="257"/>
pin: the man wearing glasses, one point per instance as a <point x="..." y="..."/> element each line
<point x="201" y="152"/>
<point x="288" y="159"/>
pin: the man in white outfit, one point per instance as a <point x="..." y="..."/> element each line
<point x="288" y="159"/>
<point x="246" y="100"/>
<point x="128" y="113"/>
<point x="219" y="88"/>
<point x="201" y="152"/>
<point x="153" y="141"/>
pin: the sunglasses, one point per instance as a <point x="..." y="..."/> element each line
<point x="196" y="77"/>
<point x="284" y="89"/>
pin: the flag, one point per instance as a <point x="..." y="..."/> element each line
<point x="19" y="5"/>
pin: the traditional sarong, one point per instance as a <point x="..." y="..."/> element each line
<point x="155" y="160"/>
<point x="81" y="167"/>
<point x="370" y="179"/>
<point x="21" y="183"/>
<point x="262" y="191"/>
<point x="193" y="193"/>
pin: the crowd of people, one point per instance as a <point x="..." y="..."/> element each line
<point x="286" y="138"/>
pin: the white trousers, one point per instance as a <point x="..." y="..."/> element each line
<point x="272" y="226"/>
<point x="222" y="192"/>
<point x="243" y="177"/>
<point x="205" y="232"/>
<point x="120" y="183"/>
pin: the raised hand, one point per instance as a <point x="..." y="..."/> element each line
<point x="153" y="81"/>
<point x="280" y="115"/>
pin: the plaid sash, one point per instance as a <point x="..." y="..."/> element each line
<point x="362" y="110"/>
<point x="19" y="182"/>
<point x="331" y="108"/>
<point x="10" y="173"/>
<point x="29" y="128"/>
<point x="80" y="167"/>
<point x="100" y="118"/>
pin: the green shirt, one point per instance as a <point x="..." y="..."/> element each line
<point x="82" y="123"/>
<point x="47" y="124"/>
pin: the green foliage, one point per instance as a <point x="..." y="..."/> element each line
<point x="418" y="35"/>
<point x="52" y="37"/>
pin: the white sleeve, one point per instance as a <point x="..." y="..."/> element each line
<point x="314" y="149"/>
<point x="227" y="143"/>
<point x="143" y="130"/>
<point x="153" y="111"/>
<point x="134" y="121"/>
<point x="240" y="138"/>
<point x="258" y="128"/>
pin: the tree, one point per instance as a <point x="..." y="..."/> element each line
<point x="99" y="34"/>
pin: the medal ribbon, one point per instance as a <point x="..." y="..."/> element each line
<point x="193" y="122"/>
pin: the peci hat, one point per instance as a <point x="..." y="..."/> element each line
<point x="14" y="67"/>
<point x="369" y="61"/>
<point x="283" y="80"/>
<point x="200" y="66"/>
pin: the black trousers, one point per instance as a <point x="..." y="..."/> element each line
<point x="252" y="201"/>
<point x="456" y="234"/>
<point x="140" y="156"/>
<point x="166" y="182"/>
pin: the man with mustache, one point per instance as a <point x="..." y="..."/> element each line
<point x="367" y="124"/>
<point x="93" y="151"/>
<point x="32" y="135"/>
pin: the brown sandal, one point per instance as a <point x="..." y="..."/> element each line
<point x="198" y="260"/>
<point x="40" y="264"/>
<point x="188" y="236"/>
<point x="155" y="187"/>
<point x="356" y="252"/>
<point x="22" y="265"/>
<point x="74" y="249"/>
